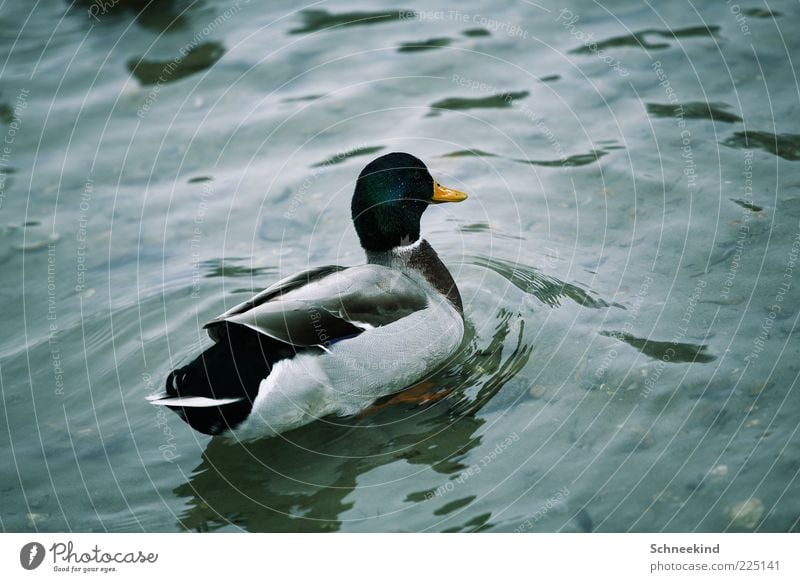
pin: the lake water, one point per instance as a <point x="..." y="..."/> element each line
<point x="628" y="259"/>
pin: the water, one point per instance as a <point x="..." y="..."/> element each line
<point x="628" y="259"/>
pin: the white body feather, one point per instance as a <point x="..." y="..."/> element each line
<point x="355" y="372"/>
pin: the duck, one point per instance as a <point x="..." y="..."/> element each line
<point x="332" y="340"/>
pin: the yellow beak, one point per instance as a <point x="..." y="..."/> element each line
<point x="444" y="194"/>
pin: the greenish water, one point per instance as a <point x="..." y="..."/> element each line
<point x="627" y="258"/>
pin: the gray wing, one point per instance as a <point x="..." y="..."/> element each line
<point x="327" y="304"/>
<point x="276" y="289"/>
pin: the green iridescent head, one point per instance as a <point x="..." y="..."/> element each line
<point x="391" y="194"/>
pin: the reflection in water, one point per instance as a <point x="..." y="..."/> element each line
<point x="693" y="110"/>
<point x="229" y="268"/>
<point x="424" y="45"/>
<point x="639" y="39"/>
<point x="275" y="484"/>
<point x="784" y="145"/>
<point x="6" y="113"/>
<point x="198" y="59"/>
<point x="473" y="32"/>
<point x="762" y="13"/>
<point x="500" y="101"/>
<point x="314" y="20"/>
<point x="475" y="227"/>
<point x="469" y="153"/>
<point x="479" y="227"/>
<point x="353" y="153"/>
<point x="303" y="98"/>
<point x="671" y="352"/>
<point x="569" y="161"/>
<point x="565" y="162"/>
<point x="546" y="289"/>
<point x="748" y="205"/>
<point x="160" y="16"/>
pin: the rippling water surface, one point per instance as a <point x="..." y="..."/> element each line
<point x="628" y="259"/>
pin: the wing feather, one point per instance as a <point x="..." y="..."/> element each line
<point x="324" y="305"/>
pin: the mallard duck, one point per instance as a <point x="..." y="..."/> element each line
<point x="332" y="340"/>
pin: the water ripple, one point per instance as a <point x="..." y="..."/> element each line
<point x="548" y="290"/>
<point x="639" y="39"/>
<point x="316" y="20"/>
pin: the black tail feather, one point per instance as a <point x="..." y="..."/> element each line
<point x="232" y="368"/>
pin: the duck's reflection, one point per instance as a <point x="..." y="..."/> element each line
<point x="301" y="481"/>
<point x="158" y="16"/>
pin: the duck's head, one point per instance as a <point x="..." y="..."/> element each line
<point x="391" y="194"/>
